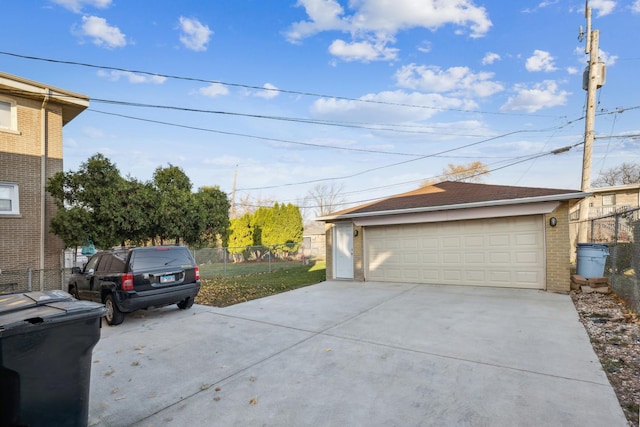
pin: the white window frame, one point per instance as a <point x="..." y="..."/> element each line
<point x="13" y="112"/>
<point x="609" y="199"/>
<point x="14" y="196"/>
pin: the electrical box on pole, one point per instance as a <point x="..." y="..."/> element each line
<point x="600" y="76"/>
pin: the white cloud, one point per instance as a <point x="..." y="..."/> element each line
<point x="541" y="95"/>
<point x="77" y="5"/>
<point x="365" y="51"/>
<point x="377" y="107"/>
<point x="324" y="15"/>
<point x="101" y="32"/>
<point x="603" y="7"/>
<point x="425" y="46"/>
<point x="572" y="70"/>
<point x="603" y="56"/>
<point x="607" y="58"/>
<point x="490" y="58"/>
<point x="635" y="7"/>
<point x="540" y="61"/>
<point x="381" y="20"/>
<point x="93" y="132"/>
<point x="454" y="80"/>
<point x="270" y="92"/>
<point x="223" y="160"/>
<point x="213" y="90"/>
<point x="132" y="77"/>
<point x="541" y="5"/>
<point x="195" y="35"/>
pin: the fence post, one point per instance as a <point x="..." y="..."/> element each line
<point x="614" y="256"/>
<point x="62" y="263"/>
<point x="269" y="257"/>
<point x="225" y="254"/>
<point x="30" y="279"/>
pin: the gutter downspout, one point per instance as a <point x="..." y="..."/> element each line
<point x="43" y="181"/>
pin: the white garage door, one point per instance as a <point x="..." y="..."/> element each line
<point x="506" y="252"/>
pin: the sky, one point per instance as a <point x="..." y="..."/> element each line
<point x="371" y="97"/>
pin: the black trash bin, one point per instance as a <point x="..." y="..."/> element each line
<point x="46" y="340"/>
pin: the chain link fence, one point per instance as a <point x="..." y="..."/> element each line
<point x="621" y="232"/>
<point x="30" y="279"/>
<point x="242" y="260"/>
<point x="213" y="263"/>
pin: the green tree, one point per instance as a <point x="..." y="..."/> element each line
<point x="73" y="225"/>
<point x="87" y="201"/>
<point x="137" y="217"/>
<point x="96" y="203"/>
<point x="260" y="218"/>
<point x="240" y="235"/>
<point x="284" y="226"/>
<point x="178" y="215"/>
<point x="215" y="209"/>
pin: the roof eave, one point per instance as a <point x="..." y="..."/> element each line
<point x="505" y="202"/>
<point x="72" y="103"/>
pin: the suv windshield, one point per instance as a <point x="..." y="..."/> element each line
<point x="145" y="260"/>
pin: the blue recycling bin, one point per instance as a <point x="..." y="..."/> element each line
<point x="591" y="259"/>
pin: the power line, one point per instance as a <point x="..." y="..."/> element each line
<point x="381" y="167"/>
<point x="515" y="161"/>
<point x="276" y="90"/>
<point x="354" y="125"/>
<point x="244" y="135"/>
<point x="419" y="156"/>
<point x="399" y="128"/>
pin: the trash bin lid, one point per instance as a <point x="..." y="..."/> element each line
<point x="593" y="245"/>
<point x="32" y="308"/>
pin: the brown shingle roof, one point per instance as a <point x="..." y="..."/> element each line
<point x="451" y="193"/>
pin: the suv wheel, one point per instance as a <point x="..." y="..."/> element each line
<point x="185" y="303"/>
<point x="114" y="316"/>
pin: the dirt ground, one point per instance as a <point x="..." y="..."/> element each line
<point x="615" y="335"/>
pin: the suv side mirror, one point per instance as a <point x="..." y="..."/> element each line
<point x="75" y="270"/>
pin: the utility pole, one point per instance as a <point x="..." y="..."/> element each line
<point x="592" y="81"/>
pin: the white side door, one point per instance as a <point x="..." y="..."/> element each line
<point x="343" y="251"/>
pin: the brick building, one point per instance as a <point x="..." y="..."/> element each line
<point x="32" y="116"/>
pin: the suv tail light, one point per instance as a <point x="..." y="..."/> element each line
<point x="197" y="271"/>
<point x="127" y="282"/>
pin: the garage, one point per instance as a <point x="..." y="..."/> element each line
<point x="457" y="233"/>
<point x="503" y="252"/>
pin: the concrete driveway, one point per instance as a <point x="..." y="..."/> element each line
<point x="355" y="354"/>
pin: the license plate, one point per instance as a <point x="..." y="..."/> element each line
<point x="168" y="279"/>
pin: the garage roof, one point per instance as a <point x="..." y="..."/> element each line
<point x="455" y="195"/>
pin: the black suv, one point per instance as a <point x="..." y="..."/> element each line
<point x="126" y="280"/>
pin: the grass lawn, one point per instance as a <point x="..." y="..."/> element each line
<point x="225" y="291"/>
<point x="211" y="271"/>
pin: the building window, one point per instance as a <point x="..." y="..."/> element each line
<point x="8" y="120"/>
<point x="608" y="200"/>
<point x="9" y="199"/>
